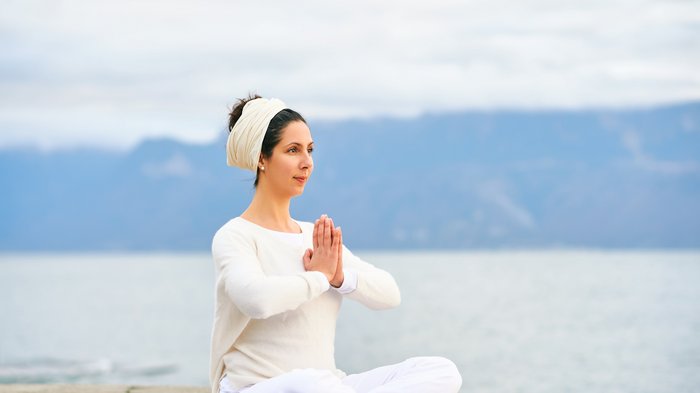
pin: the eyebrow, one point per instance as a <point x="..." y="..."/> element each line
<point x="297" y="143"/>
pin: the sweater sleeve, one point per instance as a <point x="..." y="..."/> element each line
<point x="255" y="293"/>
<point x="376" y="288"/>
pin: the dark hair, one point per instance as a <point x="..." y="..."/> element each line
<point x="273" y="134"/>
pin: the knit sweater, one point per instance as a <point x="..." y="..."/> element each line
<point x="271" y="316"/>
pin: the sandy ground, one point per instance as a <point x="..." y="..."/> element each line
<point x="76" y="388"/>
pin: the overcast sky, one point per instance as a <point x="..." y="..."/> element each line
<point x="112" y="73"/>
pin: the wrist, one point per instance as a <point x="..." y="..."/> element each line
<point x="337" y="282"/>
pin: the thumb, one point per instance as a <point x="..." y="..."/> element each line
<point x="307" y="256"/>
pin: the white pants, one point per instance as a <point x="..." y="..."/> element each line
<point x="414" y="375"/>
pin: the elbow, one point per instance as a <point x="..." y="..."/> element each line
<point x="255" y="310"/>
<point x="253" y="305"/>
<point x="391" y="299"/>
<point x="397" y="301"/>
<point x="394" y="300"/>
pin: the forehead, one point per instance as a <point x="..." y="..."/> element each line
<point x="296" y="131"/>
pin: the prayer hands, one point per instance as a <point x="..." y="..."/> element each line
<point x="327" y="255"/>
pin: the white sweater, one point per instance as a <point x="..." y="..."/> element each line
<point x="272" y="316"/>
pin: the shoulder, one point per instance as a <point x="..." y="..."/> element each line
<point x="232" y="225"/>
<point x="235" y="230"/>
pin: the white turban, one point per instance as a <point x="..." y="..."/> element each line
<point x="246" y="137"/>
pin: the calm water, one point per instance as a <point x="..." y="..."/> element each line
<point x="551" y="321"/>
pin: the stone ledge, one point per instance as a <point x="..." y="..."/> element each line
<point x="79" y="388"/>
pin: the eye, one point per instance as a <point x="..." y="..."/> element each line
<point x="310" y="150"/>
<point x="292" y="150"/>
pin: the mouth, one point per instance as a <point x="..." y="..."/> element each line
<point x="301" y="179"/>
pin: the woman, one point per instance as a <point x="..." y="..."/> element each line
<point x="280" y="282"/>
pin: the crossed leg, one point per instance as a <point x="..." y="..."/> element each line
<point x="414" y="375"/>
<point x="428" y="374"/>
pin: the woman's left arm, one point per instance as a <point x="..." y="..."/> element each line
<point x="375" y="288"/>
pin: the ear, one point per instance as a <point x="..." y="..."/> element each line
<point x="261" y="163"/>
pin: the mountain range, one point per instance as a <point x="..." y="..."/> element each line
<point x="601" y="178"/>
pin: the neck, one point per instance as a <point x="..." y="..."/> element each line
<point x="270" y="211"/>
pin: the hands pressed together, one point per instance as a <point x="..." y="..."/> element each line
<point x="327" y="254"/>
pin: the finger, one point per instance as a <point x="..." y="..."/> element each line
<point x="340" y="246"/>
<point x="326" y="233"/>
<point x="319" y="237"/>
<point x="332" y="229"/>
<point x="315" y="235"/>
<point x="307" y="257"/>
<point x="336" y="239"/>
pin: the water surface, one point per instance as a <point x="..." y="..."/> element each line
<point x="530" y="321"/>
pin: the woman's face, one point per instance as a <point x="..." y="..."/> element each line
<point x="289" y="167"/>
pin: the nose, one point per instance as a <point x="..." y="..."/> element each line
<point x="307" y="162"/>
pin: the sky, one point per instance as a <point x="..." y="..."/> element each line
<point x="110" y="74"/>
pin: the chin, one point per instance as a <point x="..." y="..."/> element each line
<point x="298" y="191"/>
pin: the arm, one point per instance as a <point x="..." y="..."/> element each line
<point x="256" y="294"/>
<point x="376" y="288"/>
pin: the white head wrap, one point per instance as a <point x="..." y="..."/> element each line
<point x="245" y="139"/>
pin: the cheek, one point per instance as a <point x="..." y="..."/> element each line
<point x="289" y="165"/>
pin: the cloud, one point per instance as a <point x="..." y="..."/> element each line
<point x="110" y="74"/>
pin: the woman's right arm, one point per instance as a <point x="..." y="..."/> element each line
<point x="256" y="294"/>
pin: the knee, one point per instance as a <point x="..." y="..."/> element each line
<point x="443" y="370"/>
<point x="451" y="373"/>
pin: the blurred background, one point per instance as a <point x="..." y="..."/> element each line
<point x="529" y="172"/>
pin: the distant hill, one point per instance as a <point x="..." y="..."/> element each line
<point x="599" y="178"/>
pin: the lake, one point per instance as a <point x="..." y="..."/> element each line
<point x="512" y="321"/>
